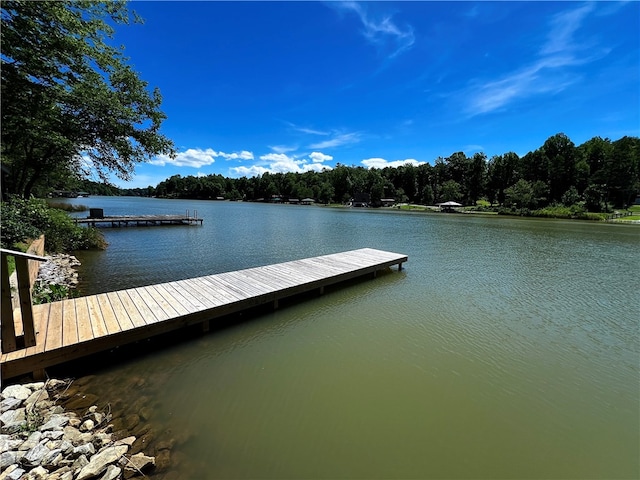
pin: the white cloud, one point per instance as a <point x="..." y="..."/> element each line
<point x="252" y="171"/>
<point x="197" y="157"/>
<point x="192" y="157"/>
<point x="243" y="155"/>
<point x="382" y="32"/>
<point x="380" y="163"/>
<point x="275" y="157"/>
<point x="318" y="157"/>
<point x="282" y="163"/>
<point x="338" y="140"/>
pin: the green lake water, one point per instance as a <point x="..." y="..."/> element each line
<point x="506" y="347"/>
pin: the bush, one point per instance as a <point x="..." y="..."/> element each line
<point x="49" y="293"/>
<point x="25" y="219"/>
<point x="16" y="222"/>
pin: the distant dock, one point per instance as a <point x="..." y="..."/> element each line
<point x="96" y="218"/>
<point x="70" y="329"/>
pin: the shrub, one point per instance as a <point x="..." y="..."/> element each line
<point x="16" y="224"/>
<point x="49" y="293"/>
<point x="24" y="219"/>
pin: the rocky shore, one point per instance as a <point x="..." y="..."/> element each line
<point x="59" y="269"/>
<point x="49" y="430"/>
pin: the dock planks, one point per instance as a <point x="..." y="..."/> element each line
<point x="139" y="220"/>
<point x="70" y="329"/>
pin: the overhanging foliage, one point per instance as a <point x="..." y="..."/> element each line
<point x="70" y="101"/>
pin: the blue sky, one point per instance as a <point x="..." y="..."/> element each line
<point x="251" y="87"/>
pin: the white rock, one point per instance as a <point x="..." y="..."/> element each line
<point x="67" y="476"/>
<point x="73" y="435"/>
<point x="9" y="404"/>
<point x="32" y="441"/>
<point x="11" y="420"/>
<point x="55" y="422"/>
<point x="66" y="447"/>
<point x="13" y="473"/>
<point x="8" y="458"/>
<point x="80" y="463"/>
<point x="34" y="386"/>
<point x="52" y="459"/>
<point x="16" y="391"/>
<point x="56" y="409"/>
<point x="34" y="456"/>
<point x="38" y="473"/>
<point x="126" y="441"/>
<point x="111" y="473"/>
<point x="140" y="461"/>
<point x="7" y="443"/>
<point x="100" y="461"/>
<point x="53" y="434"/>
<point x="86" y="449"/>
<point x="87" y="426"/>
<point x="36" y="397"/>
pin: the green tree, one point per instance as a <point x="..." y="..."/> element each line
<point x="475" y="177"/>
<point x="502" y="173"/>
<point x="68" y="96"/>
<point x="561" y="160"/>
<point x="622" y="171"/>
<point x="450" y="191"/>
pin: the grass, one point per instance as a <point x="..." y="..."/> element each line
<point x="11" y="260"/>
<point x="67" y="207"/>
<point x="411" y="207"/>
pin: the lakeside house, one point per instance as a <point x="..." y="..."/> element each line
<point x="360" y="200"/>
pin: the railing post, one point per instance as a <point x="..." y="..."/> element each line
<point x="8" y="330"/>
<point x="9" y="339"/>
<point x="26" y="305"/>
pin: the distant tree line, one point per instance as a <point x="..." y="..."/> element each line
<point x="599" y="174"/>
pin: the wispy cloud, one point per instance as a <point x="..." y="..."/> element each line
<point x="197" y="157"/>
<point x="563" y="27"/>
<point x="338" y="140"/>
<point x="310" y="131"/>
<point x="382" y="32"/>
<point x="550" y="72"/>
<point x="283" y="148"/>
<point x="380" y="163"/>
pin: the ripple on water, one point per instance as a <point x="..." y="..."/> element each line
<point x="499" y="333"/>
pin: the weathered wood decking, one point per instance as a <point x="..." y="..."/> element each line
<point x="70" y="329"/>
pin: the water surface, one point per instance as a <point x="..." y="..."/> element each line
<point x="506" y="348"/>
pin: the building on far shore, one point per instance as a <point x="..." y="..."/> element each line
<point x="448" y="207"/>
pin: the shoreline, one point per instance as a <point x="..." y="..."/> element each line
<point x="54" y="429"/>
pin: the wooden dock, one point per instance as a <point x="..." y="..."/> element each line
<point x="139" y="220"/>
<point x="70" y="329"/>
